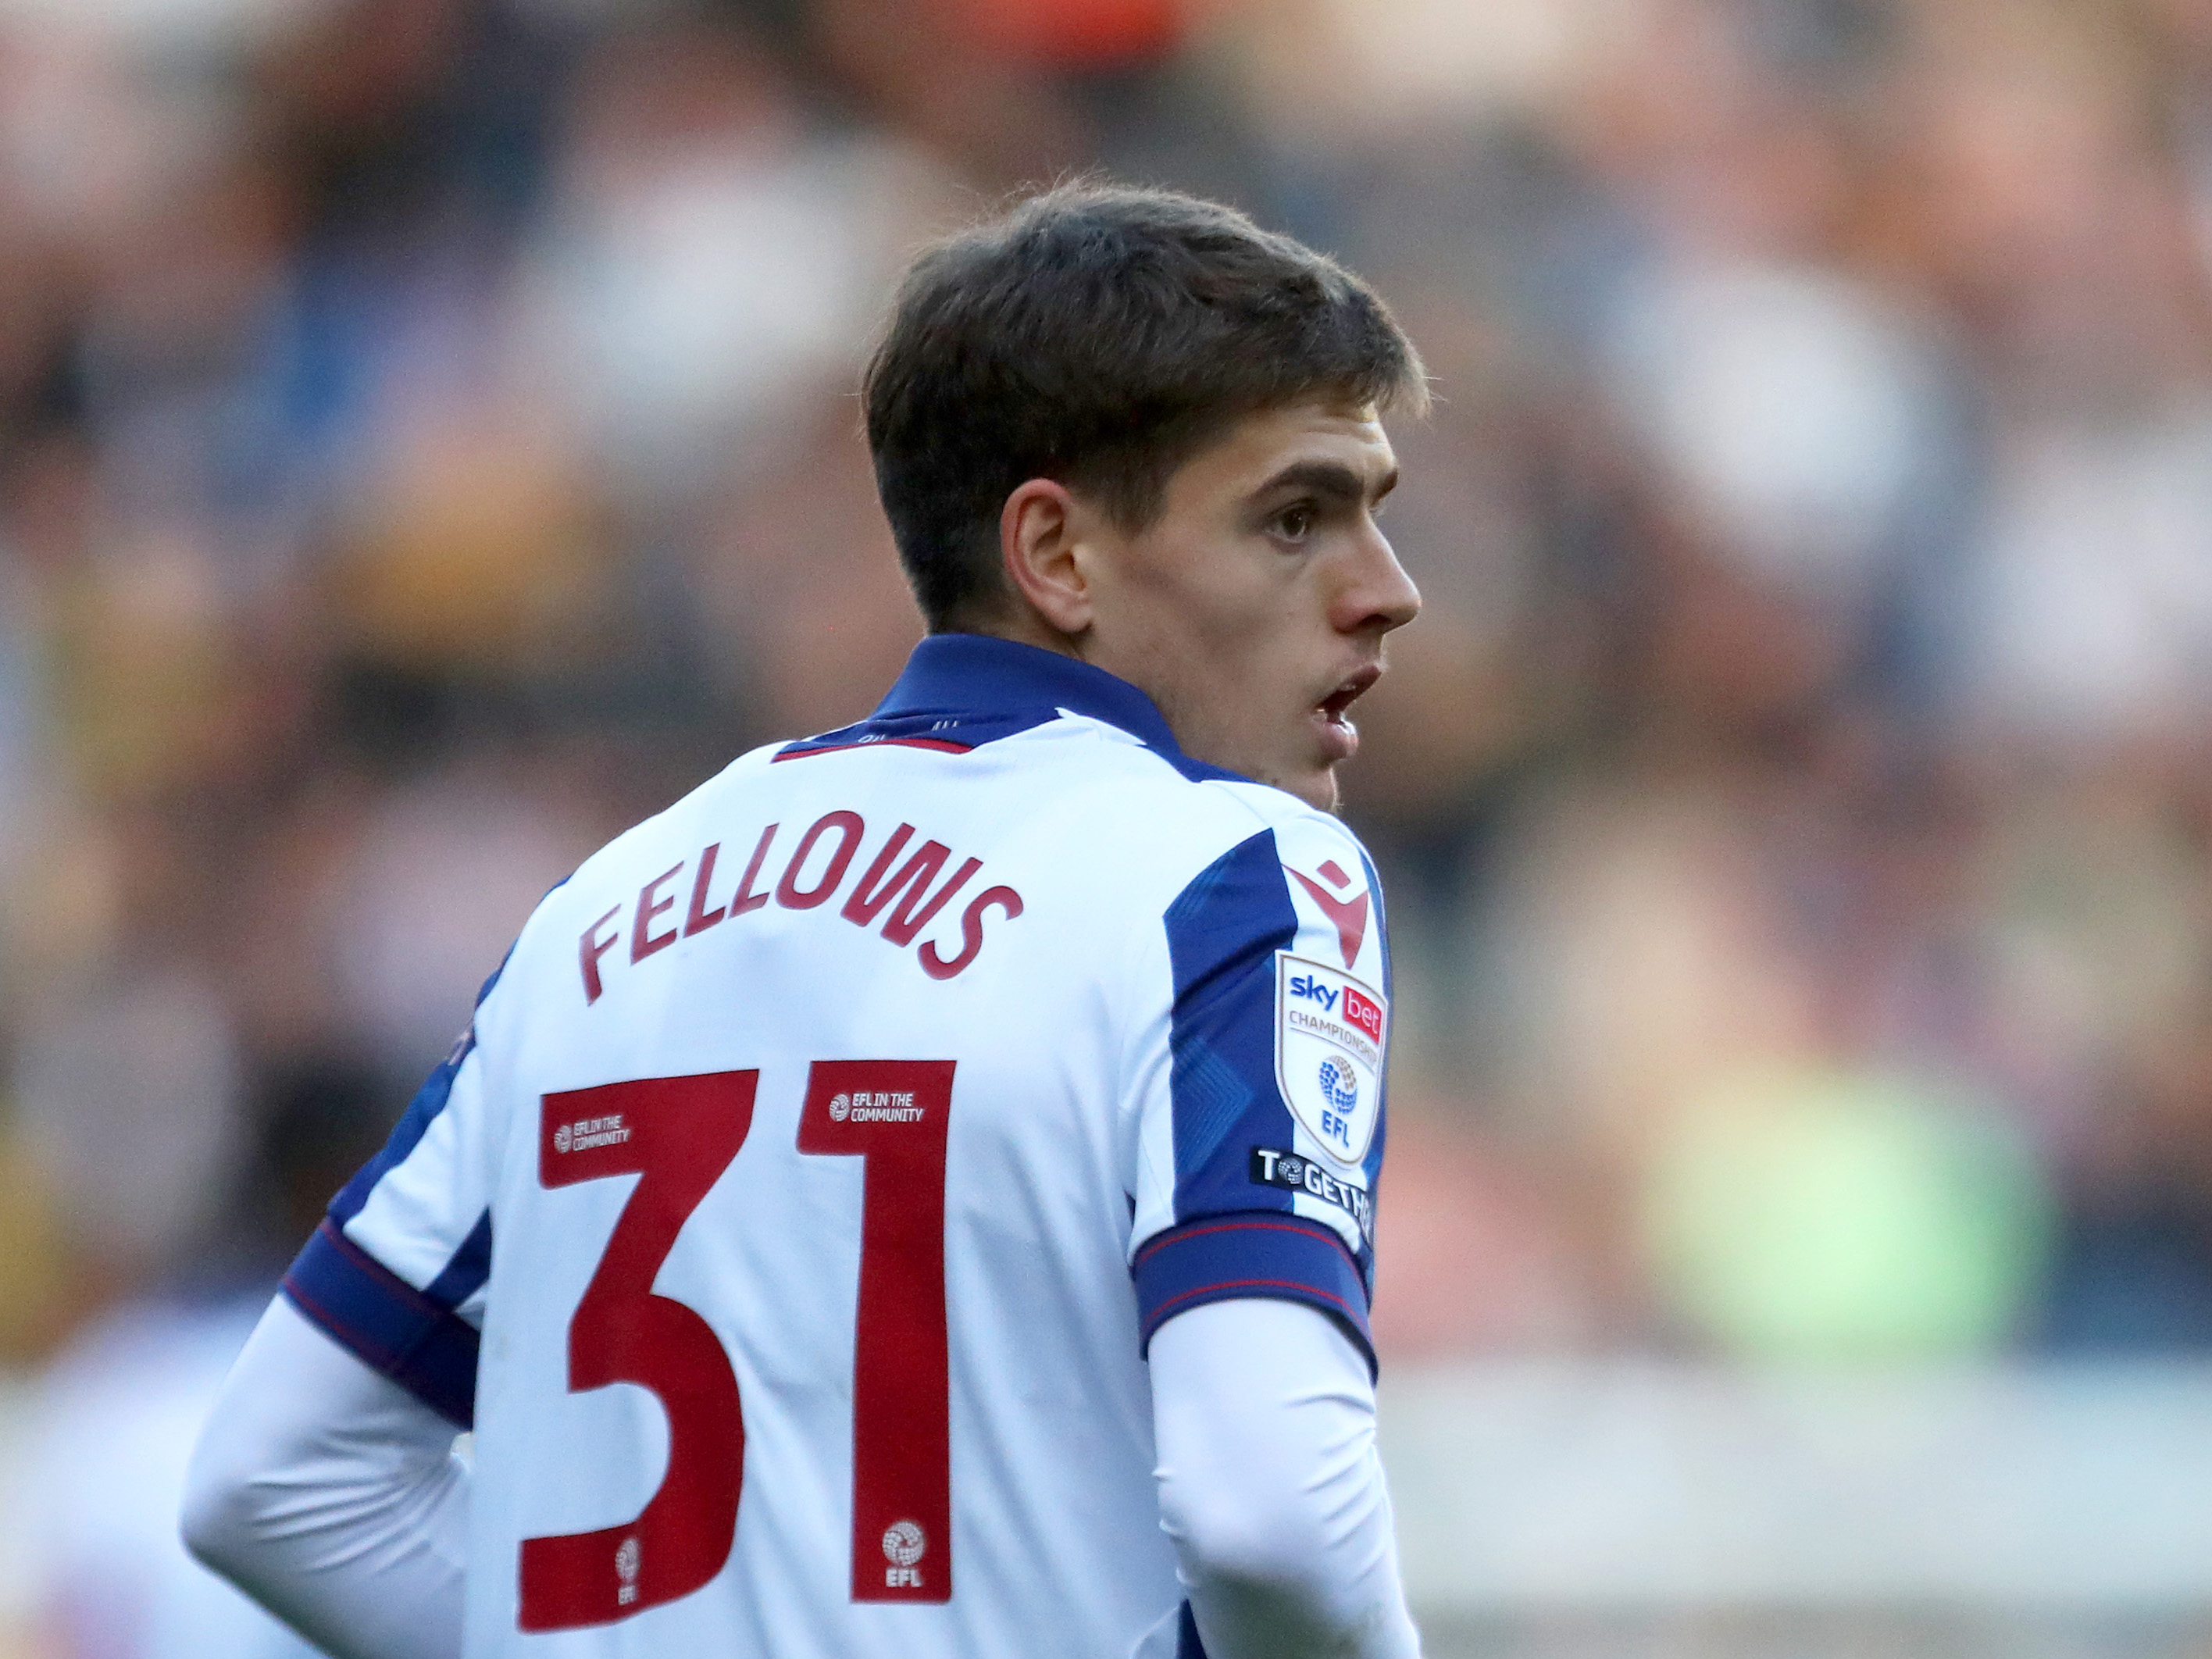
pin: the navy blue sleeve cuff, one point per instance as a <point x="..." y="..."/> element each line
<point x="1261" y="1253"/>
<point x="392" y="1327"/>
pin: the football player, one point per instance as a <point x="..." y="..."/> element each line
<point x="916" y="1195"/>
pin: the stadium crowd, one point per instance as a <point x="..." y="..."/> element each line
<point x="426" y="445"/>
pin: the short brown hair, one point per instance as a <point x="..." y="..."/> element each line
<point x="1098" y="335"/>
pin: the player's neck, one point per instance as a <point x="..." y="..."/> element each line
<point x="1020" y="623"/>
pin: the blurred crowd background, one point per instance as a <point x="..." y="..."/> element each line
<point x="428" y="445"/>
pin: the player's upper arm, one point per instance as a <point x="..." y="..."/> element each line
<point x="1256" y="1080"/>
<point x="395" y="1272"/>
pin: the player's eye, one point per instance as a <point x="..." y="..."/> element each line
<point x="1296" y="522"/>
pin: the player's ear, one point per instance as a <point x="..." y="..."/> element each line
<point x="1040" y="530"/>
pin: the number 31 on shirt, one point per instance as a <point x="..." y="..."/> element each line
<point x="677" y="1134"/>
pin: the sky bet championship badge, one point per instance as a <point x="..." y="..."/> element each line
<point x="1329" y="1029"/>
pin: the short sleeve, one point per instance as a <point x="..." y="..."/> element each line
<point x="1259" y="1083"/>
<point x="396" y="1271"/>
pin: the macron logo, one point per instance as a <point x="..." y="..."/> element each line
<point x="1350" y="914"/>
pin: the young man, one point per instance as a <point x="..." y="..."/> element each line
<point x="915" y="1195"/>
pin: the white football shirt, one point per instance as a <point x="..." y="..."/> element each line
<point x="790" y="1221"/>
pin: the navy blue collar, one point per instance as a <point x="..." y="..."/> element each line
<point x="960" y="690"/>
<point x="979" y="674"/>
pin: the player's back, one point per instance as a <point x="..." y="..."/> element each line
<point x="889" y="1139"/>
<point x="811" y="1120"/>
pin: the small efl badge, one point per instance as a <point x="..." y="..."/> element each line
<point x="1329" y="1036"/>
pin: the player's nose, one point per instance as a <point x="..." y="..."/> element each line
<point x="1377" y="595"/>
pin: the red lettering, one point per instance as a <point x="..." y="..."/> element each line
<point x="1360" y="1011"/>
<point x="867" y="898"/>
<point x="971" y="932"/>
<point x="906" y="921"/>
<point x="747" y="899"/>
<point x="699" y="917"/>
<point x="850" y="829"/>
<point x="642" y="943"/>
<point x="591" y="948"/>
<point x="901" y="1434"/>
<point x="682" y="1133"/>
<point x="872" y="892"/>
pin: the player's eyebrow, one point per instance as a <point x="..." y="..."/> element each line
<point x="1332" y="479"/>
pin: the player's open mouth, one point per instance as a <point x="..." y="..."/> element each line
<point x="1340" y="737"/>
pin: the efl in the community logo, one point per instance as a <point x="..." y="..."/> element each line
<point x="880" y="1107"/>
<point x="587" y="1132"/>
<point x="905" y="1544"/>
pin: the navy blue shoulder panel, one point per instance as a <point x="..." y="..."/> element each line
<point x="1224" y="930"/>
<point x="1235" y="1236"/>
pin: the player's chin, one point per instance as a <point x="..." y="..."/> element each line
<point x="1313" y="781"/>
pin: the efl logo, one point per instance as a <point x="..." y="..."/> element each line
<point x="1340" y="1083"/>
<point x="905" y="1544"/>
<point x="1331" y="1033"/>
<point x="626" y="1565"/>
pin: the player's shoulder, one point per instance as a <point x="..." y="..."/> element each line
<point x="1192" y="857"/>
<point x="1293" y="867"/>
<point x="1293" y="823"/>
<point x="1225" y="816"/>
<point x="1126" y="800"/>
